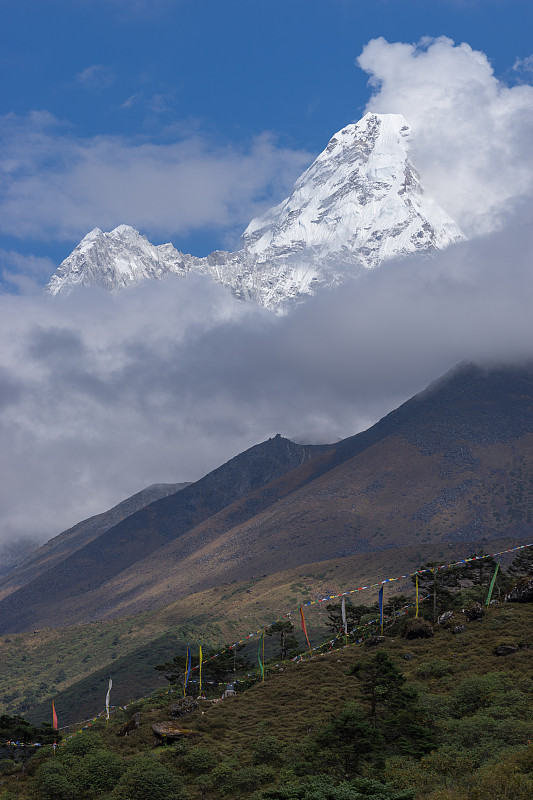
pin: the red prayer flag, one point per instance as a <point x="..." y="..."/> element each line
<point x="304" y="628"/>
<point x="54" y="716"/>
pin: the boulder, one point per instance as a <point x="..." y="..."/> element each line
<point x="522" y="591"/>
<point x="169" y="731"/>
<point x="131" y="725"/>
<point x="505" y="649"/>
<point x="446" y="617"/>
<point x="458" y="629"/>
<point x="183" y="706"/>
<point x="375" y="640"/>
<point x="418" y="629"/>
<point x="475" y="613"/>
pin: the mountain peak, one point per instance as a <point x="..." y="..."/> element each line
<point x="359" y="203"/>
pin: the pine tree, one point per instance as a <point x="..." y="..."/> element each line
<point x="288" y="643"/>
<point x="354" y="615"/>
<point x="522" y="565"/>
<point x="439" y="583"/>
<point x="393" y="706"/>
<point x="351" y="740"/>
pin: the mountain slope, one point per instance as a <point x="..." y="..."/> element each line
<point x="145" y="531"/>
<point x="60" y="547"/>
<point x="358" y="204"/>
<point x="452" y="465"/>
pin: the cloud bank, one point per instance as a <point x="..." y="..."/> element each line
<point x="472" y="133"/>
<point x="101" y="395"/>
<point x="58" y="186"/>
<point x="104" y="394"/>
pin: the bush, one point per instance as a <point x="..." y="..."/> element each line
<point x="81" y="744"/>
<point x="146" y="779"/>
<point x="323" y="788"/>
<point x="53" y="782"/>
<point x="267" y="750"/>
<point x="479" y="691"/>
<point x="99" y="771"/>
<point x="436" y="668"/>
<point x="199" y="759"/>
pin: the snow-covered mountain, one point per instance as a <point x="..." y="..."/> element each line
<point x="358" y="204"/>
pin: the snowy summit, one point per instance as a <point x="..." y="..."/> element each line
<point x="358" y="204"/>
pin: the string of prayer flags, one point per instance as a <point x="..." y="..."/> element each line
<point x="304" y="628"/>
<point x="493" y="581"/>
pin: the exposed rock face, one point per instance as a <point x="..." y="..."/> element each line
<point x="359" y="204"/>
<point x="168" y="731"/>
<point x="522" y="592"/>
<point x="418" y="629"/>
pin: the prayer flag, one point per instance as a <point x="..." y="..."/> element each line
<point x="200" y="669"/>
<point x="343" y="612"/>
<point x="188" y="661"/>
<point x="261" y="661"/>
<point x="54" y="716"/>
<point x="416" y="615"/>
<point x="380" y="597"/>
<point x="107" y="698"/>
<point x="304" y="628"/>
<point x="493" y="581"/>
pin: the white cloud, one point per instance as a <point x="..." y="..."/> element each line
<point x="96" y="77"/>
<point x="103" y="394"/>
<point x="59" y="186"/>
<point x="473" y="134"/>
<point x="524" y="65"/>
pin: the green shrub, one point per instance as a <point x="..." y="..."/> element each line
<point x="267" y="750"/>
<point x="99" y="771"/>
<point x="147" y="779"/>
<point x="479" y="691"/>
<point x="435" y="668"/>
<point x="81" y="744"/>
<point x="53" y="782"/>
<point x="199" y="760"/>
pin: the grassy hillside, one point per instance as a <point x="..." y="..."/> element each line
<point x="73" y="664"/>
<point x="276" y="738"/>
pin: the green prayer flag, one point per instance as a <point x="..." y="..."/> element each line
<point x="261" y="645"/>
<point x="493" y="581"/>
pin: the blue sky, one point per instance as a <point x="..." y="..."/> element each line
<point x="219" y="74"/>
